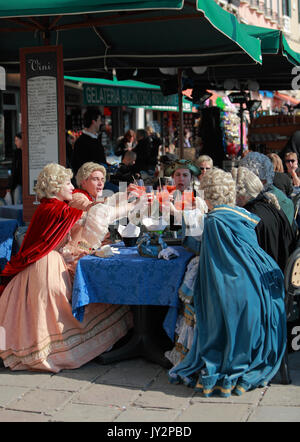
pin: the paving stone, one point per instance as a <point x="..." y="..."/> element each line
<point x="43" y="401"/>
<point x="161" y="383"/>
<point x="109" y="395"/>
<point x="136" y="391"/>
<point x="275" y="414"/>
<point x="162" y="394"/>
<point x="134" y="373"/>
<point x="23" y="378"/>
<point x="9" y="393"/>
<point x="218" y="412"/>
<point x="136" y="414"/>
<point x="161" y="399"/>
<point x="75" y="380"/>
<point x="282" y="395"/>
<point x="86" y="413"/>
<point x="21" y="416"/>
<point x="65" y="383"/>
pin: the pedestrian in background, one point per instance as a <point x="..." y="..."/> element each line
<point x="143" y="151"/>
<point x="88" y="146"/>
<point x="125" y="143"/>
<point x="15" y="184"/>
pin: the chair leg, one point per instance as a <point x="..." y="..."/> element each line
<point x="284" y="369"/>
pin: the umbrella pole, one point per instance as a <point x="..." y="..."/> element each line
<point x="241" y="128"/>
<point x="180" y="110"/>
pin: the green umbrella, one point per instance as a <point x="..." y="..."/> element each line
<point x="23" y="8"/>
<point x="277" y="71"/>
<point x="98" y="35"/>
<point x="101" y="36"/>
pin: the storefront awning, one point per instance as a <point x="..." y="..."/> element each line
<point x="102" y="92"/>
<point x="286" y="98"/>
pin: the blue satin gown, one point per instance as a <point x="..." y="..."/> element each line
<point x="240" y="332"/>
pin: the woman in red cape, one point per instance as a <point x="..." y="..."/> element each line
<point x="50" y="223"/>
<point x="35" y="312"/>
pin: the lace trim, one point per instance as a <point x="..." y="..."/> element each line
<point x="65" y="344"/>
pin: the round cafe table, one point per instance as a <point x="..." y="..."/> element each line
<point x="141" y="282"/>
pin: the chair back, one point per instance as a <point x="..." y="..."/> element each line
<point x="296" y="202"/>
<point x="292" y="280"/>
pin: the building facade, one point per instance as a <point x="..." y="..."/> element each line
<point x="275" y="14"/>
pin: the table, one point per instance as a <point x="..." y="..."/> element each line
<point x="12" y="211"/>
<point x="7" y="230"/>
<point x="128" y="278"/>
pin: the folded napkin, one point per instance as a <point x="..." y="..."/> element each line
<point x="104" y="252"/>
<point x="129" y="231"/>
<point x="168" y="253"/>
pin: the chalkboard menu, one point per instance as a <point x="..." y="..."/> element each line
<point x="42" y="106"/>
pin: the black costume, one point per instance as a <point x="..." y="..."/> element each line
<point x="16" y="170"/>
<point x="87" y="148"/>
<point x="122" y="147"/>
<point x="155" y="143"/>
<point x="274" y="232"/>
<point x="283" y="182"/>
<point x="143" y="155"/>
<point x="124" y="174"/>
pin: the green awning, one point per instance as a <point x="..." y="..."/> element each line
<point x="228" y="24"/>
<point x="17" y="8"/>
<point x="114" y="82"/>
<point x="273" y="41"/>
<point x="103" y="92"/>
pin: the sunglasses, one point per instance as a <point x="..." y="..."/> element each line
<point x="290" y="161"/>
<point x="204" y="168"/>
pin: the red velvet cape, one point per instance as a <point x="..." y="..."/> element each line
<point x="50" y="223"/>
<point x="84" y="192"/>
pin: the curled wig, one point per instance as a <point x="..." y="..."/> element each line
<point x="51" y="179"/>
<point x="218" y="187"/>
<point x="85" y="171"/>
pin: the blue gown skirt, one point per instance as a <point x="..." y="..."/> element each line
<point x="240" y="332"/>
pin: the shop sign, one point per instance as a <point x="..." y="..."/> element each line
<point x="187" y="106"/>
<point x="125" y="96"/>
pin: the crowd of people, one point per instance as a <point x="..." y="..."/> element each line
<point x="231" y="330"/>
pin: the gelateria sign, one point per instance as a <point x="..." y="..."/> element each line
<point x="102" y="95"/>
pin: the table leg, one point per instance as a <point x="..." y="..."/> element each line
<point x="141" y="344"/>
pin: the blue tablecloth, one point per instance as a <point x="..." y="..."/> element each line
<point x="7" y="230"/>
<point x="128" y="278"/>
<point x="12" y="211"/>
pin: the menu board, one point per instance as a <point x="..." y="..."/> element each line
<point x="42" y="105"/>
<point x="41" y="74"/>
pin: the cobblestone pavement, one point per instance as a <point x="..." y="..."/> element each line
<point x="137" y="391"/>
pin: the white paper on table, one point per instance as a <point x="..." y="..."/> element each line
<point x="129" y="231"/>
